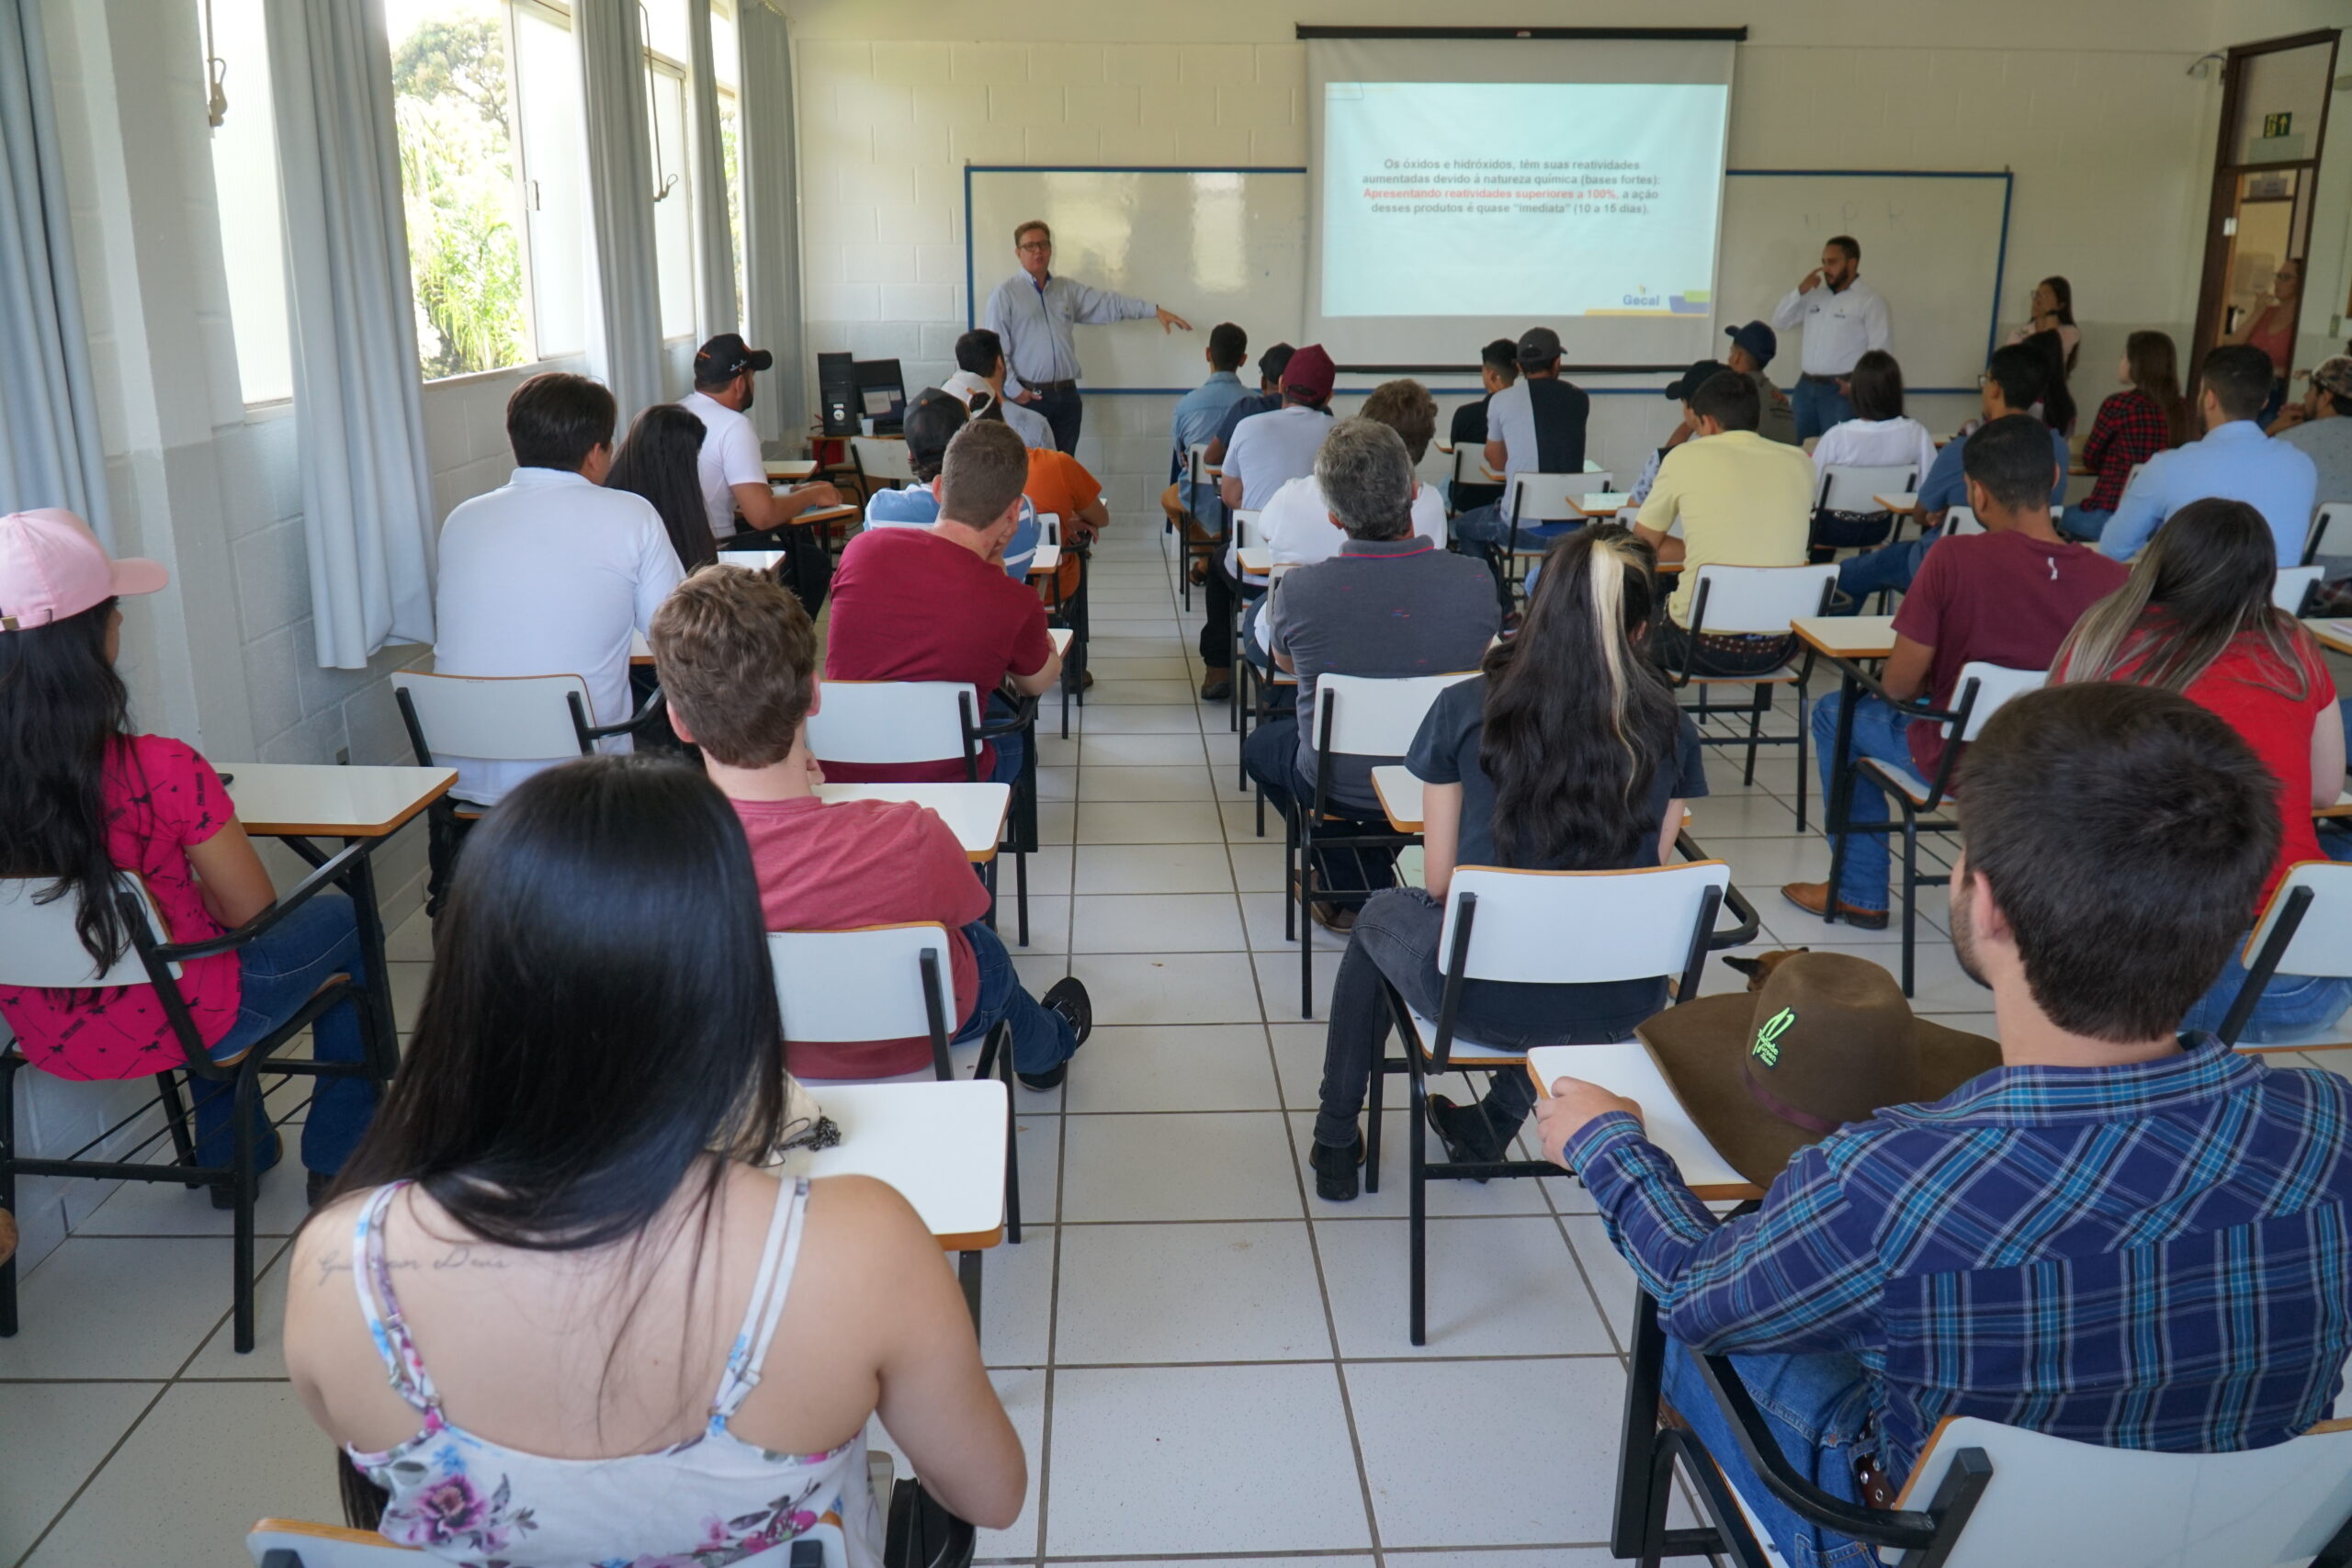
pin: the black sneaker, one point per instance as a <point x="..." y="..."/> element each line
<point x="1469" y="1138"/>
<point x="1069" y="999"/>
<point x="1335" y="1169"/>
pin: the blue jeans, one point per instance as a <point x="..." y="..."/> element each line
<point x="1818" y="405"/>
<point x="2082" y="523"/>
<point x="1011" y="750"/>
<point x="1042" y="1039"/>
<point x="1817" y="1406"/>
<point x="2290" y="1005"/>
<point x="280" y="970"/>
<point x="1879" y="731"/>
<point x="1893" y="567"/>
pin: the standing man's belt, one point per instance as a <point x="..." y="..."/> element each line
<point x="1051" y="386"/>
<point x="1825" y="381"/>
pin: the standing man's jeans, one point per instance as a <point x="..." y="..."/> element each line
<point x="1892" y="567"/>
<point x="1819" y="405"/>
<point x="1879" y="731"/>
<point x="1063" y="412"/>
<point x="1819" y="1408"/>
<point x="278" y="972"/>
<point x="1042" y="1039"/>
<point x="1011" y="750"/>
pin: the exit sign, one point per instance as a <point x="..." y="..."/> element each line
<point x="2276" y="124"/>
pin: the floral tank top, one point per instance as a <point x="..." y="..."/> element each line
<point x="710" y="1502"/>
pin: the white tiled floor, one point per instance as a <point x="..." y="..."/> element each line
<point x="1203" y="1360"/>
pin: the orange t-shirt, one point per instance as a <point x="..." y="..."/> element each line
<point x="1060" y="483"/>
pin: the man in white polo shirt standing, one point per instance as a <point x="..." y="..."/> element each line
<point x="1843" y="319"/>
<point x="735" y="477"/>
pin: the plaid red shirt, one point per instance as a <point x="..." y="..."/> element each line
<point x="2130" y="429"/>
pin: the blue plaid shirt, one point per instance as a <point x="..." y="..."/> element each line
<point x="2150" y="1256"/>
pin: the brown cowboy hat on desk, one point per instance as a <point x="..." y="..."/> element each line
<point x="1827" y="1039"/>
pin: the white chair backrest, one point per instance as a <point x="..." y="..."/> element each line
<point x="1995" y="684"/>
<point x="1544" y="498"/>
<point x="2322" y="943"/>
<point x="1246" y="533"/>
<point x="330" y="1546"/>
<point x="859" y="985"/>
<point x="1960" y="520"/>
<point x="2055" y="1501"/>
<point x="1760" y="598"/>
<point x="1579" y="926"/>
<point x="1377" y="718"/>
<point x="499" y="718"/>
<point x="873" y="722"/>
<point x="1049" y="528"/>
<point x="880" y="459"/>
<point x="2292" y="584"/>
<point x="1195" y="459"/>
<point x="1845" y="488"/>
<point x="2329" y="516"/>
<point x="39" y="945"/>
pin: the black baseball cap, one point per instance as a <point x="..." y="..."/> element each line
<point x="1701" y="372"/>
<point x="727" y="357"/>
<point x="1760" y="339"/>
<point x="1538" y="346"/>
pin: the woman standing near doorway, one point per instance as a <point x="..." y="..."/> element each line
<point x="2270" y="327"/>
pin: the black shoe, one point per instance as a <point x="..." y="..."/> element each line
<point x="1335" y="1169"/>
<point x="225" y="1194"/>
<point x="1216" y="685"/>
<point x="1469" y="1138"/>
<point x="1069" y="999"/>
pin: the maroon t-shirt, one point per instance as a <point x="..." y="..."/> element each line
<point x="909" y="605"/>
<point x="2005" y="599"/>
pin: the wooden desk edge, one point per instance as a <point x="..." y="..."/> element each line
<point x="971" y="1241"/>
<point x="341" y="830"/>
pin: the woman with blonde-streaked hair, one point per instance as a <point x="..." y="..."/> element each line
<point x="1565" y="753"/>
<point x="2196" y="617"/>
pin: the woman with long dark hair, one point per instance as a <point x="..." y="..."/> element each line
<point x="1565" y="753"/>
<point x="2131" y="426"/>
<point x="2057" y="403"/>
<point x="2196" y="617"/>
<point x="571" y="1269"/>
<point x="90" y="799"/>
<point x="2053" y="310"/>
<point x="1879" y="435"/>
<point x="659" y="460"/>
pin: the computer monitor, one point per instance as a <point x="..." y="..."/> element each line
<point x="882" y="393"/>
<point x="837" y="392"/>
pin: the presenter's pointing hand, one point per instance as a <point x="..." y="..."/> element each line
<point x="1170" y="321"/>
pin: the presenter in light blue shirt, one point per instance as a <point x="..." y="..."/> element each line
<point x="1034" y="312"/>
<point x="2236" y="461"/>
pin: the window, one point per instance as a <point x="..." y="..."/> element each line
<point x="555" y="163"/>
<point x="726" y="64"/>
<point x="244" y="188"/>
<point x="454" y="101"/>
<point x="666" y="54"/>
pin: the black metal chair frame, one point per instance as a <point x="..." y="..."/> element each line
<point x="1021" y="830"/>
<point x="1190" y="478"/>
<point x="1421" y="1060"/>
<point x="2265" y="964"/>
<point x="1916" y="814"/>
<point x="2321" y="518"/>
<point x="1302" y="835"/>
<point x="995" y="1061"/>
<point x="1683" y="676"/>
<point x="241" y="1174"/>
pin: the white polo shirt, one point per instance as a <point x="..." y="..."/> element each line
<point x="1269" y="450"/>
<point x="549" y="575"/>
<point x="731" y="457"/>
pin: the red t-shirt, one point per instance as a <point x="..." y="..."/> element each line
<point x="909" y="605"/>
<point x="864" y="862"/>
<point x="2252" y="692"/>
<point x="2005" y="599"/>
<point x="159" y="796"/>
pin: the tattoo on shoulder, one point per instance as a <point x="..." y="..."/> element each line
<point x="333" y="1263"/>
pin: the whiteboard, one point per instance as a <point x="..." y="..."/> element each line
<point x="1230" y="244"/>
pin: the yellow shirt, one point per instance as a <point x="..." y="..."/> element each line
<point x="1741" y="500"/>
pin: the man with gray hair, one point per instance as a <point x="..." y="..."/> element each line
<point x="1390" y="605"/>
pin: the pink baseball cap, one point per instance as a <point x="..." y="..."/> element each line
<point x="51" y="566"/>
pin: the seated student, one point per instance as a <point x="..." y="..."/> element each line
<point x="2236" y="461"/>
<point x="90" y="797"/>
<point x="1534" y="426"/>
<point x="1498" y="368"/>
<point x="1390" y="603"/>
<point x="1060" y="484"/>
<point x="2131" y="427"/>
<point x="659" y="460"/>
<point x="2320" y="427"/>
<point x="934" y="604"/>
<point x="1266" y="452"/>
<point x="2196" y="617"/>
<point x="1195" y="423"/>
<point x="535" y="1315"/>
<point x="1879" y="436"/>
<point x="2122" y="1236"/>
<point x="2012" y="384"/>
<point x="549" y="574"/>
<point x="1566" y="754"/>
<point x="1265" y="399"/>
<point x="738" y="661"/>
<point x="734" y="478"/>
<point x="1742" y="500"/>
<point x="980" y="372"/>
<point x="2008" y="596"/>
<point x="931" y="425"/>
<point x="1678" y="392"/>
<point x="1752" y="348"/>
<point x="1295" y="525"/>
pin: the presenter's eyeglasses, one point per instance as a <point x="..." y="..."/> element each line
<point x="1036" y="246"/>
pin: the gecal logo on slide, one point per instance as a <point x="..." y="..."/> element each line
<point x="1643" y="297"/>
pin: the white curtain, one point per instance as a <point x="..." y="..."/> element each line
<point x="714" y="244"/>
<point x="50" y="453"/>
<point x="767" y="149"/>
<point x="360" y="418"/>
<point x="625" y="334"/>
